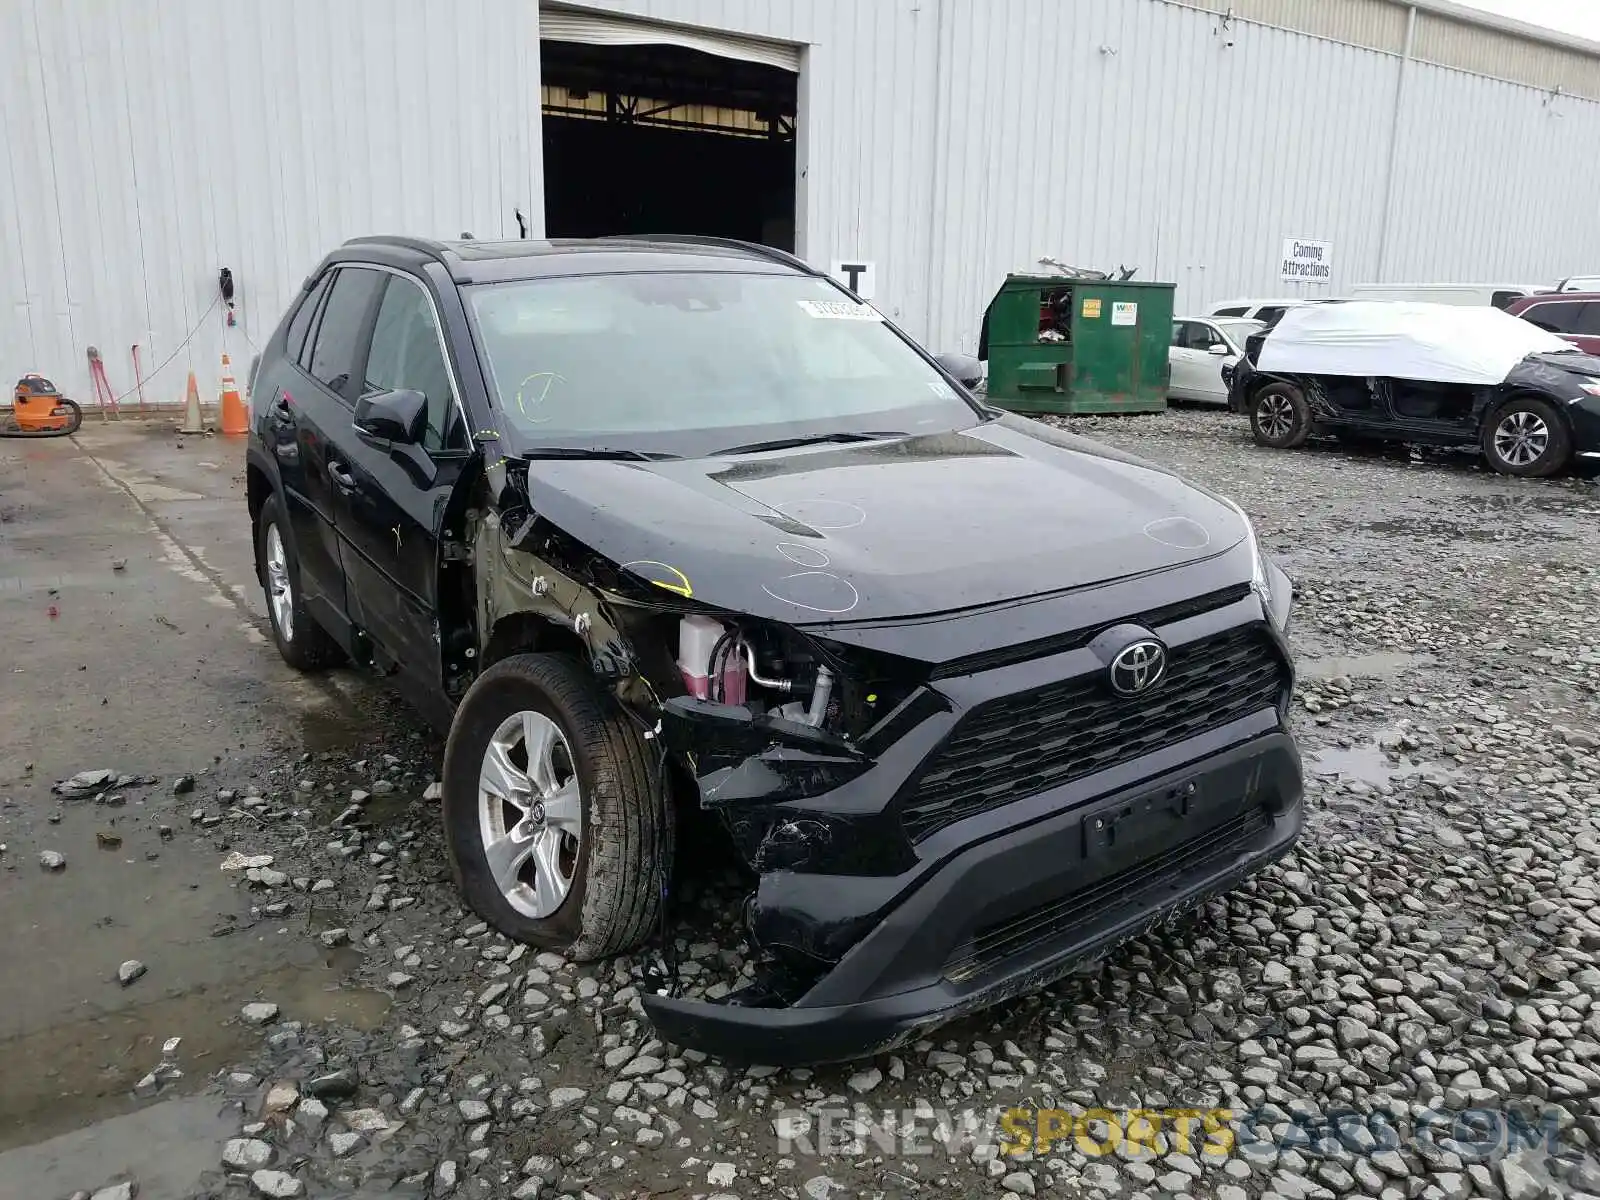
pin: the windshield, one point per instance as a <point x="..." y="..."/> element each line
<point x="1237" y="330"/>
<point x="690" y="363"/>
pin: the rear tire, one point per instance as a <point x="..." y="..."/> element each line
<point x="1280" y="417"/>
<point x="569" y="849"/>
<point x="1526" y="436"/>
<point x="304" y="644"/>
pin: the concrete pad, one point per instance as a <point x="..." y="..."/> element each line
<point x="165" y="1147"/>
<point x="136" y="641"/>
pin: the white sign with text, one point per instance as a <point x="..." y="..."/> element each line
<point x="1306" y="262"/>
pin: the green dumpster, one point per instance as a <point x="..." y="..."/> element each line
<point x="1063" y="344"/>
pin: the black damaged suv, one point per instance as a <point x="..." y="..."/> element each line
<point x="645" y="523"/>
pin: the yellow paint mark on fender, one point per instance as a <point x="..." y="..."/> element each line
<point x="681" y="587"/>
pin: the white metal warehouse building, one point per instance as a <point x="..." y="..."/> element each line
<point x="944" y="142"/>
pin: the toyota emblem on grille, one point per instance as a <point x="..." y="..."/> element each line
<point x="1138" y="667"/>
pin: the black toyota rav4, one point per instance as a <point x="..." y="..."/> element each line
<point x="648" y="523"/>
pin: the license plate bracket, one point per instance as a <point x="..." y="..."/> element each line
<point x="1123" y="821"/>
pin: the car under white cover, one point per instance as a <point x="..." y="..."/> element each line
<point x="1440" y="343"/>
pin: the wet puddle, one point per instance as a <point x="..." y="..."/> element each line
<point x="328" y="729"/>
<point x="1369" y="763"/>
<point x="59" y="1078"/>
<point x="377" y="810"/>
<point x="1366" y="764"/>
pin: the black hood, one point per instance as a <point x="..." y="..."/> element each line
<point x="1578" y="362"/>
<point x="934" y="523"/>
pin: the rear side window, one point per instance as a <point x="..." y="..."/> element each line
<point x="318" y="303"/>
<point x="295" y="340"/>
<point x="1557" y="318"/>
<point x="406" y="354"/>
<point x="341" y="326"/>
<point x="1501" y="299"/>
<point x="1229" y="312"/>
<point x="1589" y="318"/>
<point x="1268" y="315"/>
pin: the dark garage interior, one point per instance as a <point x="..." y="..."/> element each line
<point x="666" y="139"/>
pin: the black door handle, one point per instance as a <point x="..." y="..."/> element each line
<point x="342" y="479"/>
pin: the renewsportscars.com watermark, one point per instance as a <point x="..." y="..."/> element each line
<point x="1475" y="1134"/>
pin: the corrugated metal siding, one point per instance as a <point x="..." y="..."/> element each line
<point x="950" y="141"/>
<point x="1174" y="154"/>
<point x="1441" y="39"/>
<point x="1375" y="24"/>
<point x="146" y="146"/>
<point x="1483" y="51"/>
<point x="1485" y="184"/>
<point x="867" y="97"/>
<point x="1035" y="142"/>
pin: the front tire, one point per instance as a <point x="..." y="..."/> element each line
<point x="559" y="831"/>
<point x="1525" y="436"/>
<point x="304" y="644"/>
<point x="1280" y="417"/>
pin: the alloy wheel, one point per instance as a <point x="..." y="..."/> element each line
<point x="1275" y="416"/>
<point x="1521" y="438"/>
<point x="530" y="813"/>
<point x="280" y="593"/>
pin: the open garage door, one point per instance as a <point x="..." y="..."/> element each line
<point x="662" y="129"/>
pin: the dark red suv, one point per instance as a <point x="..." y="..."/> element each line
<point x="1574" y="315"/>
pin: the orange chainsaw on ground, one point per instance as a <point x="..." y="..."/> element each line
<point x="39" y="410"/>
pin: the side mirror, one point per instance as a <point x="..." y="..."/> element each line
<point x="398" y="416"/>
<point x="1219" y="349"/>
<point x="968" y="370"/>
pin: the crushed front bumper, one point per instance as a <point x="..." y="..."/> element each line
<point x="1018" y="898"/>
<point x="1239" y="381"/>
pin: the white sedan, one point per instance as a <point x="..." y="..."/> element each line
<point x="1200" y="348"/>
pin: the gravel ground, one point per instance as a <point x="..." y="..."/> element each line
<point x="1433" y="945"/>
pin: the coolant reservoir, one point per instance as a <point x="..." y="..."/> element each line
<point x="697" y="638"/>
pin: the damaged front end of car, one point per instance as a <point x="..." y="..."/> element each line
<point x="941" y="811"/>
<point x="764" y="718"/>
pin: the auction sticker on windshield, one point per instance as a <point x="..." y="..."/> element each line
<point x="842" y="310"/>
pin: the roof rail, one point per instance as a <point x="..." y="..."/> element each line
<point x="700" y="239"/>
<point x="421" y="245"/>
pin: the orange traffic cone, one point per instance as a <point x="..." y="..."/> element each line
<point x="235" y="419"/>
<point x="193" y="421"/>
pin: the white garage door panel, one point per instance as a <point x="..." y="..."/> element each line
<point x="597" y="29"/>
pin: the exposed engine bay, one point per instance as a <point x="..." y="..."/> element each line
<point x="721" y="664"/>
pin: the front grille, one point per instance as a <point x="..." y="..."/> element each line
<point x="1019" y="745"/>
<point x="993" y="945"/>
